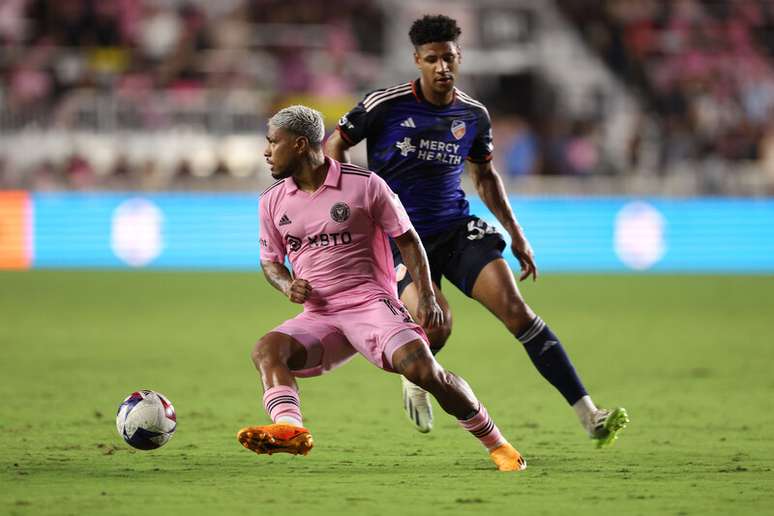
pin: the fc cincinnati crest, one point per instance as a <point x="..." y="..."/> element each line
<point x="340" y="212"/>
<point x="458" y="128"/>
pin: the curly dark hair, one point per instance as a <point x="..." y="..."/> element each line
<point x="434" y="29"/>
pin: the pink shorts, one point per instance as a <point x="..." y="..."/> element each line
<point x="375" y="330"/>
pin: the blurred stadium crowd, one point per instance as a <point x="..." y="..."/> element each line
<point x="160" y="94"/>
<point x="704" y="67"/>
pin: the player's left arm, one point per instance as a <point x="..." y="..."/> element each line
<point x="429" y="312"/>
<point x="387" y="211"/>
<point x="492" y="191"/>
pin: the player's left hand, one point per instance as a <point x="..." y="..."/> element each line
<point x="429" y="312"/>
<point x="523" y="252"/>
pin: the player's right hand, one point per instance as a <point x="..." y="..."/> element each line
<point x="299" y="290"/>
<point x="523" y="252"/>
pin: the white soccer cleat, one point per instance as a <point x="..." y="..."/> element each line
<point x="416" y="403"/>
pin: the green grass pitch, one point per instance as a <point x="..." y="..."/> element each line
<point x="690" y="357"/>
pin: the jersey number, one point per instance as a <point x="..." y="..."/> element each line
<point x="478" y="228"/>
<point x="400" y="310"/>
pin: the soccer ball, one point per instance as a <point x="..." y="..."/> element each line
<point x="146" y="420"/>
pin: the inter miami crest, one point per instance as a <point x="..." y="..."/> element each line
<point x="340" y="212"/>
<point x="294" y="243"/>
<point x="458" y="128"/>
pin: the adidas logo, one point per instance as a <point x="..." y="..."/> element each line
<point x="284" y="220"/>
<point x="548" y="345"/>
<point x="409" y="122"/>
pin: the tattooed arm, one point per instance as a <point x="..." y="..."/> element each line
<point x="278" y="276"/>
<point x="429" y="313"/>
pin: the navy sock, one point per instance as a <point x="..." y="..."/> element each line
<point x="547" y="353"/>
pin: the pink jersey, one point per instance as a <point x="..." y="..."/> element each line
<point x="336" y="237"/>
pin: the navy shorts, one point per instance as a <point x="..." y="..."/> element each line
<point x="459" y="253"/>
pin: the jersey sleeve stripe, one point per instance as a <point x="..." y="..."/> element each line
<point x="348" y="168"/>
<point x="464" y="97"/>
<point x="357" y="168"/>
<point x="389" y="97"/>
<point x="376" y="100"/>
<point x="371" y="96"/>
<point x="472" y="102"/>
<point x="376" y="93"/>
<point x="271" y="187"/>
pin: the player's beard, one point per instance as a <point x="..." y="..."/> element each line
<point x="282" y="174"/>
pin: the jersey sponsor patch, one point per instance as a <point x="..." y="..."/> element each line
<point x="458" y="128"/>
<point x="405" y="146"/>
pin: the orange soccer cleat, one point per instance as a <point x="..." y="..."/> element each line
<point x="506" y="458"/>
<point x="276" y="438"/>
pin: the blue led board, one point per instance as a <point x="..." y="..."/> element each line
<point x="220" y="231"/>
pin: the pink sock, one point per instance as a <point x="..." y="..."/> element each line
<point x="483" y="428"/>
<point x="282" y="405"/>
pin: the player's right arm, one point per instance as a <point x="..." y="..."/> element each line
<point x="351" y="129"/>
<point x="273" y="258"/>
<point x="337" y="147"/>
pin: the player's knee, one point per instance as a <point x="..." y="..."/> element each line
<point x="517" y="317"/>
<point x="257" y="353"/>
<point x="422" y="373"/>
<point x="264" y="353"/>
<point x="431" y="377"/>
<point x="438" y="336"/>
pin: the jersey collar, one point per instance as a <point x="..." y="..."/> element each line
<point x="334" y="173"/>
<point x="331" y="179"/>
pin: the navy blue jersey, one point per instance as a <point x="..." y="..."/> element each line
<point x="420" y="149"/>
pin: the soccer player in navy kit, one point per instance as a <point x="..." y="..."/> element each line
<point x="419" y="134"/>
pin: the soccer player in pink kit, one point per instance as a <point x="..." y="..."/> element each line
<point x="331" y="221"/>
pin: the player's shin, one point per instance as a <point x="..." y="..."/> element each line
<point x="550" y="359"/>
<point x="283" y="405"/>
<point x="483" y="428"/>
<point x="457" y="398"/>
<point x="285" y="434"/>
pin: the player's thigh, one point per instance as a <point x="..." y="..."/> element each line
<point x="475" y="245"/>
<point x="496" y="289"/>
<point x="324" y="346"/>
<point x="378" y="328"/>
<point x="277" y="347"/>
